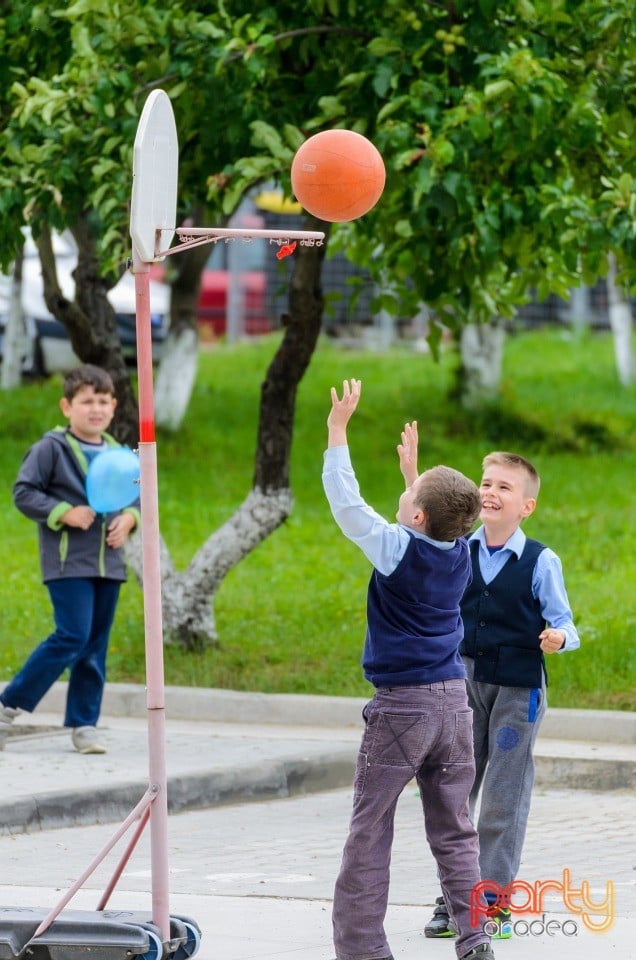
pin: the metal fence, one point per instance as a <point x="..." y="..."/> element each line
<point x="349" y="292"/>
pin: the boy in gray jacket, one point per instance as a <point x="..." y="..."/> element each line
<point x="80" y="554"/>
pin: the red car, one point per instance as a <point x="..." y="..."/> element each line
<point x="233" y="297"/>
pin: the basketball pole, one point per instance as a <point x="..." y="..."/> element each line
<point x="151" y="560"/>
<point x="151" y="579"/>
<point x="153" y="216"/>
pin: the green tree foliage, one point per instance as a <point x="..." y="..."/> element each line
<point x="507" y="130"/>
<point x="71" y="105"/>
<point x="67" y="146"/>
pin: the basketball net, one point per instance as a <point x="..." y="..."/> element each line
<point x="190" y="237"/>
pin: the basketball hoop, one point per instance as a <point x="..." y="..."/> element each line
<point x="190" y="237"/>
<point x="141" y="935"/>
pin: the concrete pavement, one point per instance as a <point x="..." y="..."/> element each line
<point x="223" y="747"/>
<point x="258" y="876"/>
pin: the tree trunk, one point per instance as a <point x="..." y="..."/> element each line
<point x="481" y="349"/>
<point x="175" y="378"/>
<point x="14" y="334"/>
<point x="178" y="365"/>
<point x="90" y="322"/>
<point x="621" y="322"/>
<point x="579" y="310"/>
<point x="278" y="391"/>
<point x="187" y="597"/>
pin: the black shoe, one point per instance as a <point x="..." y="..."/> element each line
<point x="482" y="952"/>
<point x="440" y="925"/>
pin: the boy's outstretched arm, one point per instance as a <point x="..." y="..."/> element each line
<point x="342" y="411"/>
<point x="407" y="452"/>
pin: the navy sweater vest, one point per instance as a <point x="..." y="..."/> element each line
<point x="502" y="622"/>
<point x="414" y="626"/>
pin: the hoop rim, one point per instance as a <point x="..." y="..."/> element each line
<point x="198" y="236"/>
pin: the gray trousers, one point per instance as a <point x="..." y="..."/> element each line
<point x="423" y="732"/>
<point x="506" y="722"/>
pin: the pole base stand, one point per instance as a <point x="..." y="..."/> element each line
<point x="98" y="935"/>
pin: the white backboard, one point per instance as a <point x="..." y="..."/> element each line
<point x="155" y="172"/>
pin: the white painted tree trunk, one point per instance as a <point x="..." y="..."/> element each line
<point x="175" y="378"/>
<point x="187" y="597"/>
<point x="481" y="348"/>
<point x="621" y="322"/>
<point x="14" y="339"/>
<point x="579" y="311"/>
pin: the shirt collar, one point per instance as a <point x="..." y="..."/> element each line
<point x="514" y="543"/>
<point x="440" y="544"/>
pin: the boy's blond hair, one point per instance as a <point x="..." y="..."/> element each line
<point x="505" y="459"/>
<point x="450" y="500"/>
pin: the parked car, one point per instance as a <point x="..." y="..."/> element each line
<point x="247" y="260"/>
<point x="47" y="349"/>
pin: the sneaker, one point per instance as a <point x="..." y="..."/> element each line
<point x="502" y="918"/>
<point x="482" y="952"/>
<point x="85" y="740"/>
<point x="7" y="714"/>
<point x="440" y="925"/>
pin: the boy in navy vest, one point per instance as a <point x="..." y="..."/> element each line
<point x="418" y="724"/>
<point x="515" y="611"/>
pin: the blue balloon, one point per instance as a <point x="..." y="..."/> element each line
<point x="112" y="481"/>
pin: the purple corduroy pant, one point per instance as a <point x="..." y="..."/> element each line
<point x="422" y="732"/>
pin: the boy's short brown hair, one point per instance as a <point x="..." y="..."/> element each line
<point x="506" y="459"/>
<point x="87" y="375"/>
<point x="450" y="500"/>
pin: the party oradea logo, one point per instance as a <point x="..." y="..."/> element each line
<point x="519" y="896"/>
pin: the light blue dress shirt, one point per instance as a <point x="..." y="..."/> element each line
<point x="383" y="543"/>
<point x="547" y="582"/>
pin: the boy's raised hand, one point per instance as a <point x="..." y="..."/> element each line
<point x="342" y="411"/>
<point x="407" y="452"/>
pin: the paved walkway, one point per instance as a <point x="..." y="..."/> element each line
<point x="258" y="876"/>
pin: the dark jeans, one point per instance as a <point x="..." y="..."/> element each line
<point x="84" y="609"/>
<point x="423" y="732"/>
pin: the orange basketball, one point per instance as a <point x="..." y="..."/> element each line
<point x="337" y="175"/>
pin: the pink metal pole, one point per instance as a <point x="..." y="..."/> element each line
<point x="155" y="687"/>
<point x="121" y="866"/>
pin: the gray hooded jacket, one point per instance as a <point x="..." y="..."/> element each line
<point x="51" y="480"/>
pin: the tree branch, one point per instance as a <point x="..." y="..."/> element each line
<point x="302" y="32"/>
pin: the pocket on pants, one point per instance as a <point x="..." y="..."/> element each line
<point x="461" y="748"/>
<point x="399" y="739"/>
<point x="360" y="775"/>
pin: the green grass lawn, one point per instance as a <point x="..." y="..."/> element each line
<point x="291" y="615"/>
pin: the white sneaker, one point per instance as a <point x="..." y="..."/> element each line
<point x="86" y="740"/>
<point x="8" y="714"/>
